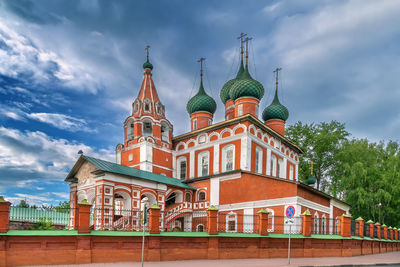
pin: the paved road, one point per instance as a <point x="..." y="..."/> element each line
<point x="392" y="258"/>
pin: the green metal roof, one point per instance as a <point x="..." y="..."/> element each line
<point x="246" y="86"/>
<point x="107" y="166"/>
<point x="276" y="110"/>
<point x="201" y="102"/>
<point x="147" y="65"/>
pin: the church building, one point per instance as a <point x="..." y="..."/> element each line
<point x="239" y="165"/>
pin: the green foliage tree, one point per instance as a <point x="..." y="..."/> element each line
<point x="370" y="179"/>
<point x="23" y="204"/>
<point x="320" y="143"/>
<point x="62" y="206"/>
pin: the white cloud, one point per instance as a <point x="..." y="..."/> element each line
<point x="22" y="57"/>
<point x="26" y="156"/>
<point x="62" y="121"/>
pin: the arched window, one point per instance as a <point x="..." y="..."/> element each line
<point x="316" y="223"/>
<point x="323" y="225"/>
<point x="181" y="173"/>
<point x="147" y="128"/>
<point x="258" y="160"/>
<point x="136" y="106"/>
<point x="280" y="168"/>
<point x="188" y="197"/>
<point x="273" y="166"/>
<point x="200" y="228"/>
<point x="203" y="164"/>
<point x="147" y="106"/>
<point x="231" y="222"/>
<point x="202" y="196"/>
<point x="170" y="200"/>
<point x="228" y="155"/>
<point x="130" y="132"/>
<point x="164" y="132"/>
<point x="291" y="172"/>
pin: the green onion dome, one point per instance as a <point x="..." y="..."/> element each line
<point x="147" y="65"/>
<point x="201" y="102"/>
<point x="311" y="180"/>
<point x="245" y="85"/>
<point x="276" y="110"/>
<point x="224" y="94"/>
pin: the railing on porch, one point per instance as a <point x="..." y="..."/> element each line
<point x="184" y="221"/>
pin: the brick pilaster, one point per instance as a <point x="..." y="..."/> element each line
<point x="263" y="222"/>
<point x="4" y="215"/>
<point x="378" y="230"/>
<point x="306" y="223"/>
<point x="360" y="222"/>
<point x="154" y="221"/>
<point x="212" y="214"/>
<point x="385" y="236"/>
<point x="84" y="217"/>
<point x="345" y="225"/>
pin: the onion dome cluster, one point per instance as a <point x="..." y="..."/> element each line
<point x="246" y="86"/>
<point x="241" y="86"/>
<point x="201" y="102"/>
<point x="275" y="111"/>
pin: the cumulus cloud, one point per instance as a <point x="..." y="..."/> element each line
<point x="33" y="155"/>
<point x="21" y="58"/>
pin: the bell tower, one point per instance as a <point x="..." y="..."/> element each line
<point x="147" y="132"/>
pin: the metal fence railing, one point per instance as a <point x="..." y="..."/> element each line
<point x="184" y="221"/>
<point x="49" y="216"/>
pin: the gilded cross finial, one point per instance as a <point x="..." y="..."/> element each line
<point x="312" y="167"/>
<point x="147" y="52"/>
<point x="201" y="66"/>
<point x="276" y="71"/>
<point x="247" y="48"/>
<point x="242" y="35"/>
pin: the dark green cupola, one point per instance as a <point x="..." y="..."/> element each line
<point x="311" y="180"/>
<point x="225" y="91"/>
<point x="201" y="101"/>
<point x="245" y="85"/>
<point x="147" y="64"/>
<point x="275" y="111"/>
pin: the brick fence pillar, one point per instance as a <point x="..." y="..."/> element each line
<point x="84" y="217"/>
<point x="370" y="224"/>
<point x="306" y="223"/>
<point x="345" y="225"/>
<point x="390" y="233"/>
<point x="378" y="230"/>
<point x="395" y="233"/>
<point x="263" y="222"/>
<point x="154" y="222"/>
<point x="4" y="215"/>
<point x="385" y="236"/>
<point x="360" y="222"/>
<point x="212" y="214"/>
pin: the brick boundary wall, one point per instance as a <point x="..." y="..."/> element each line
<point x="89" y="248"/>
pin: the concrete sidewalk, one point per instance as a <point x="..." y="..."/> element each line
<point x="392" y="258"/>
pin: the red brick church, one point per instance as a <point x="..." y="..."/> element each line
<point x="238" y="165"/>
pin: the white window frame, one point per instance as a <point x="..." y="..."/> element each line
<point x="271" y="214"/>
<point x="240" y="109"/>
<point x="273" y="165"/>
<point x="194" y="124"/>
<point x="178" y="163"/>
<point x="316" y="223"/>
<point x="147" y="102"/>
<point x="259" y="160"/>
<point x="224" y="157"/>
<point x="323" y="226"/>
<point x="205" y="196"/>
<point x="291" y="172"/>
<point x="130" y="130"/>
<point x="227" y="220"/>
<point x="130" y="157"/>
<point x="280" y="168"/>
<point x="197" y="227"/>
<point x="200" y="163"/>
<point x="165" y="134"/>
<point x="143" y="129"/>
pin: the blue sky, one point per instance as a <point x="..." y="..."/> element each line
<point x="69" y="71"/>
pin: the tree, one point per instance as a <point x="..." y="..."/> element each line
<point x="23" y="204"/>
<point x="368" y="177"/>
<point x="62" y="206"/>
<point x="320" y="143"/>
